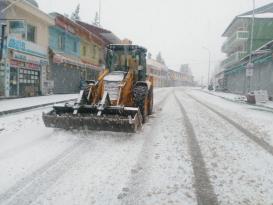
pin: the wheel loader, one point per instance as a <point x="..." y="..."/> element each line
<point x="119" y="100"/>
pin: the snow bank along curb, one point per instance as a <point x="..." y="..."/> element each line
<point x="6" y="112"/>
<point x="236" y="101"/>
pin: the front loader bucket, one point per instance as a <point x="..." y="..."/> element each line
<point x="112" y="119"/>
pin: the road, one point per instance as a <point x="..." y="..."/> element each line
<point x="195" y="149"/>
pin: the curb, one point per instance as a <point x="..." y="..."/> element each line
<point x="230" y="100"/>
<point x="7" y="112"/>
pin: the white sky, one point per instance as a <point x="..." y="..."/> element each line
<point x="177" y="28"/>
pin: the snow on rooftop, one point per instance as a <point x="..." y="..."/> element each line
<point x="262" y="15"/>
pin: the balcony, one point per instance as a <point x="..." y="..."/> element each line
<point x="234" y="58"/>
<point x="236" y="40"/>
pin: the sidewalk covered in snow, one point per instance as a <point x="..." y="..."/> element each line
<point x="12" y="104"/>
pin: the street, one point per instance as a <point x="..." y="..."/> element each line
<point x="195" y="149"/>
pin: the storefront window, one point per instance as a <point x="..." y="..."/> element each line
<point x="13" y="82"/>
<point x="31" y="31"/>
<point x="29" y="82"/>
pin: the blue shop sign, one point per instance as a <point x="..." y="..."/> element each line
<point x="26" y="47"/>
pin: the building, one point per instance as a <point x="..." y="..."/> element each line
<point x="177" y="78"/>
<point x="237" y="48"/>
<point x="238" y="34"/>
<point x="25" y="60"/>
<point x="107" y="36"/>
<point x="158" y="71"/>
<point x="76" y="54"/>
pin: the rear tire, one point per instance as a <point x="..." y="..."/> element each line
<point x="140" y="97"/>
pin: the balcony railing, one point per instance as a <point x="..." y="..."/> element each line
<point x="235" y="40"/>
<point x="234" y="58"/>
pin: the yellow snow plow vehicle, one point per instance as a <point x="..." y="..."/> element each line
<point x="119" y="100"/>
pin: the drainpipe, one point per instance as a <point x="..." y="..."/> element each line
<point x="2" y="41"/>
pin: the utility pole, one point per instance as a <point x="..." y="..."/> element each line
<point x="250" y="65"/>
<point x="99" y="12"/>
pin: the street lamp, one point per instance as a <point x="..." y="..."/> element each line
<point x="209" y="61"/>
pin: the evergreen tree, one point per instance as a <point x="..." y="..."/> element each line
<point x="159" y="58"/>
<point x="96" y="21"/>
<point x="76" y="14"/>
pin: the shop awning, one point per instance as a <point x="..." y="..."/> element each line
<point x="61" y="58"/>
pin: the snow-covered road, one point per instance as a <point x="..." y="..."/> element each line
<point x="186" y="154"/>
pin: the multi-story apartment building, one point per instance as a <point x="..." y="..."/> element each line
<point x="238" y="34"/>
<point x="25" y="60"/>
<point x="232" y="75"/>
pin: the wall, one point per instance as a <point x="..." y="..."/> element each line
<point x="69" y="40"/>
<point x="93" y="52"/>
<point x="262" y="33"/>
<point x="262" y="78"/>
<point x="41" y="26"/>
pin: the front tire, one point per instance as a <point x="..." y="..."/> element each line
<point x="140" y="97"/>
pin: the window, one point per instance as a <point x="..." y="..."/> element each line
<point x="31" y="33"/>
<point x="61" y="42"/>
<point x="75" y="46"/>
<point x="94" y="51"/>
<point x="17" y="27"/>
<point x="84" y="50"/>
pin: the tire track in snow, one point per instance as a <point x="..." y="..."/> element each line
<point x="33" y="185"/>
<point x="21" y="148"/>
<point x="262" y="143"/>
<point x="130" y="193"/>
<point x="204" y="190"/>
<point x="28" y="189"/>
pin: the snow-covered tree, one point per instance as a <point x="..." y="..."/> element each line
<point x="96" y="21"/>
<point x="76" y="14"/>
<point x="159" y="58"/>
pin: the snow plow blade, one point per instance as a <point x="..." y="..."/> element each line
<point x="117" y="119"/>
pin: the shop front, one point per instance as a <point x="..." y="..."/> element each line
<point x="26" y="63"/>
<point x="68" y="72"/>
<point x="24" y="79"/>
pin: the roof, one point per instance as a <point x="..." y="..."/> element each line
<point x="264" y="12"/>
<point x="156" y="65"/>
<point x="107" y="36"/>
<point x="31" y="8"/>
<point x="262" y="15"/>
<point x="128" y="46"/>
<point x="95" y="37"/>
<point x="262" y="9"/>
<point x="33" y="2"/>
